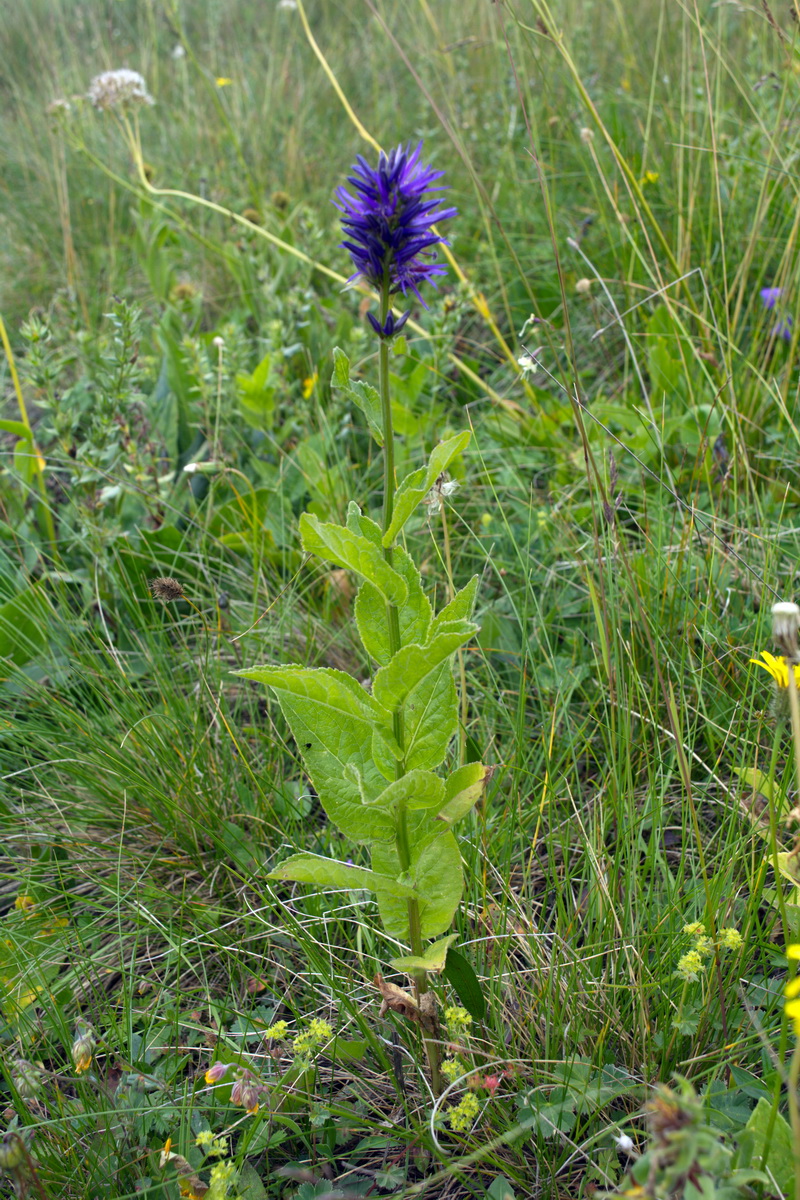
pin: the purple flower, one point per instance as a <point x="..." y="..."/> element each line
<point x="387" y="223"/>
<point x="770" y="296"/>
<point x="783" y="329"/>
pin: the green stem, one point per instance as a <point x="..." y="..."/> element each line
<point x="393" y="619"/>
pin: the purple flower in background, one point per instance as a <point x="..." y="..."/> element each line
<point x="387" y="223"/>
<point x="783" y="329"/>
<point x="770" y="296"/>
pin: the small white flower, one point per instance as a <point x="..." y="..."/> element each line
<point x="114" y="89"/>
<point x="178" y="51"/>
<point x="287" y="4"/>
<point x="529" y="362"/>
<point x="625" y="1144"/>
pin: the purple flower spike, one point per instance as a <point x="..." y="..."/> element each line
<point x="783" y="329"/>
<point x="387" y="223"/>
<point x="770" y="296"/>
<point x="391" y="327"/>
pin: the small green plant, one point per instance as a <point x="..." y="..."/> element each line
<point x="373" y="751"/>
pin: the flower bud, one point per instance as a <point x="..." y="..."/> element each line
<point x="83" y="1048"/>
<point x="26" y="1078"/>
<point x="216" y="1072"/>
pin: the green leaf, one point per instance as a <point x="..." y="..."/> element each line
<point x="335" y="691"/>
<point x="340" y="545"/>
<point x="363" y="395"/>
<point x="460" y="607"/>
<point x="462" y="790"/>
<point x="18" y="428"/>
<point x="432" y="958"/>
<point x="256" y="394"/>
<point x="779" y="1150"/>
<point x="26" y="461"/>
<point x="412" y="664"/>
<point x="414" y="615"/>
<point x="437" y="879"/>
<point x="249" y="1185"/>
<point x="430" y="719"/>
<point x="327" y="872"/>
<point x="461" y="976"/>
<point x="24" y="622"/>
<point x="415" y="487"/>
<point x="420" y="790"/>
<point x="334" y="729"/>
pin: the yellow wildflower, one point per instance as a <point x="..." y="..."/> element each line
<point x="309" y="384"/>
<point x="223" y="81"/>
<point x="460" y="1118"/>
<point x="730" y="939"/>
<point x="276" y="1031"/>
<point x="703" y="946"/>
<point x="690" y="965"/>
<point x="648" y="177"/>
<point x="777" y="668"/>
<point x="24" y="903"/>
<point x="696" y="929"/>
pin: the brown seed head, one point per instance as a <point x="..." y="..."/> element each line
<point x="167" y="589"/>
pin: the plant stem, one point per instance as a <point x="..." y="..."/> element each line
<point x="393" y="618"/>
<point x="794" y="1112"/>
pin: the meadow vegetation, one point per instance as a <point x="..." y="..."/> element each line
<point x="618" y="331"/>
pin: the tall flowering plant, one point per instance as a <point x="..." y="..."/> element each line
<point x="375" y="753"/>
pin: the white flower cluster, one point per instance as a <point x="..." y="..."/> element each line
<point x="114" y="89"/>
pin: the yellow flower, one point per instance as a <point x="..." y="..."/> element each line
<point x="309" y="384"/>
<point x="778" y="669"/>
<point x="460" y="1118"/>
<point x="690" y="965"/>
<point x="648" y="177"/>
<point x="793" y="952"/>
<point x="24" y="903"/>
<point x="223" y="81"/>
<point x="730" y="939"/>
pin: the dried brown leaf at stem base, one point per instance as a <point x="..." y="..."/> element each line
<point x="190" y="1185"/>
<point x="395" y="999"/>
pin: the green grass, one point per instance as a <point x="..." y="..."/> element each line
<point x="147" y="790"/>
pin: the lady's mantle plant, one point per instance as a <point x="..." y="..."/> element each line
<point x="372" y="754"/>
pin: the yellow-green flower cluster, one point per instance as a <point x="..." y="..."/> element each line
<point x="730" y="939"/>
<point x="210" y="1144"/>
<point x="461" y="1116"/>
<point x="308" y="1042"/>
<point x="223" y="1175"/>
<point x="276" y="1032"/>
<point x="458" y="1020"/>
<point x="453" y="1068"/>
<point x="690" y="965"/>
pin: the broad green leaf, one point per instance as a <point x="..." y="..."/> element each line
<point x="460" y="607"/>
<point x="431" y="959"/>
<point x="437" y="879"/>
<point x="461" y="976"/>
<point x="329" y="745"/>
<point x="364" y="395"/>
<point x="24" y="622"/>
<point x="414" y="615"/>
<point x="18" y="428"/>
<point x="412" y="664"/>
<point x="415" y="487"/>
<point x="358" y="523"/>
<point x="26" y="461"/>
<point x="462" y="790"/>
<point x="327" y="872"/>
<point x="419" y="789"/>
<point x="340" y="545"/>
<point x="335" y="691"/>
<point x="780" y="1153"/>
<point x="430" y="719"/>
